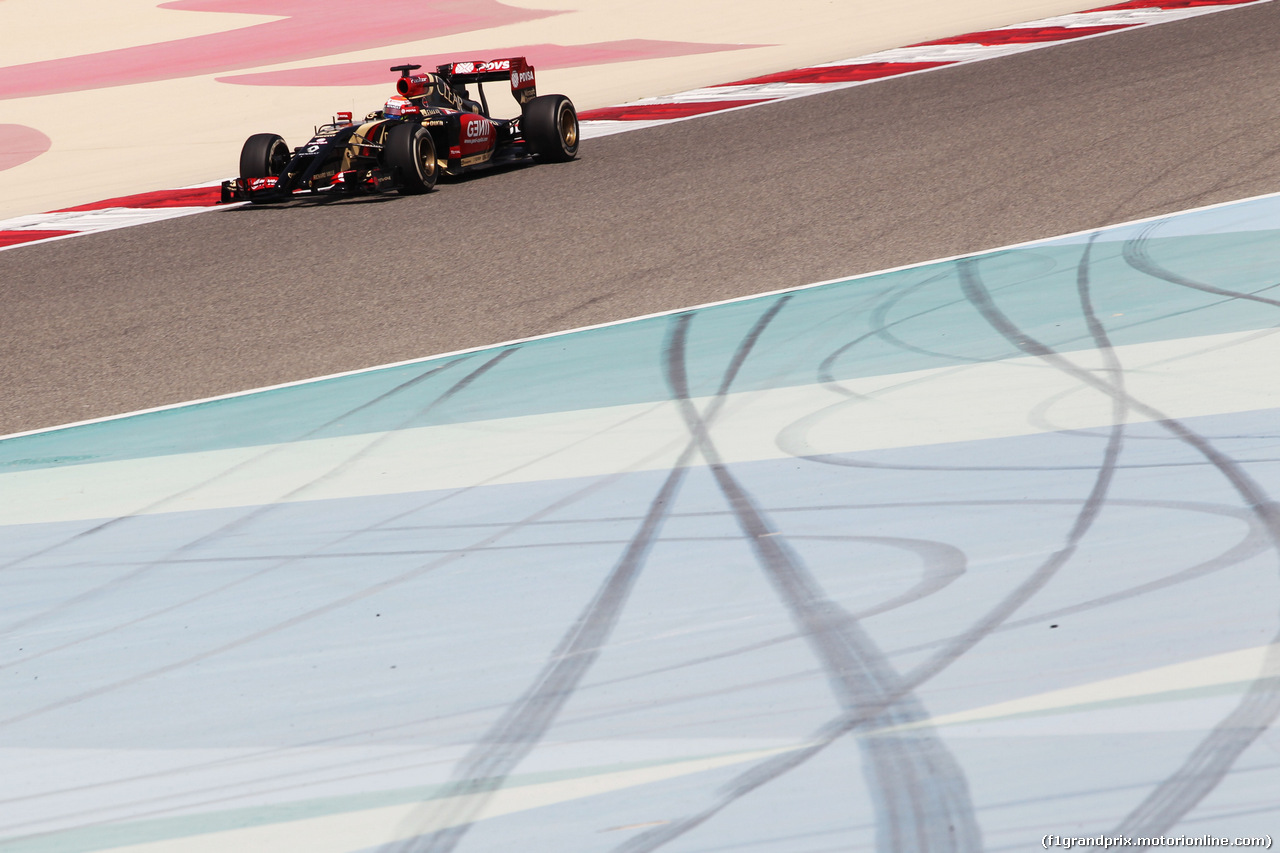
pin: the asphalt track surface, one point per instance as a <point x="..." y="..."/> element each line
<point x="953" y="161"/>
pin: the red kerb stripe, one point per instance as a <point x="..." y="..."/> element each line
<point x="841" y="73"/>
<point x="651" y="112"/>
<point x="14" y="238"/>
<point x="1169" y="4"/>
<point x="198" y="197"/>
<point x="1027" y="35"/>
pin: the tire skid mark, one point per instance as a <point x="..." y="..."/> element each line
<point x="792" y="439"/>
<point x="157" y="504"/>
<point x="1255" y="541"/>
<point x="1213" y="757"/>
<point x="671" y="700"/>
<point x="253" y="515"/>
<point x="922" y="797"/>
<point x="1039" y="415"/>
<point x="518" y="731"/>
<point x="310" y="771"/>
<point x="939" y="570"/>
<point x="883" y="329"/>
<point x="940" y="558"/>
<point x="855" y="507"/>
<point x="117" y="582"/>
<point x="1136" y="255"/>
<point x="1115" y="437"/>
<point x="943" y="565"/>
<point x="1190" y="506"/>
<point x="826" y="368"/>
<point x="507" y="528"/>
<point x="228" y="792"/>
<point x="870" y="715"/>
<point x="314" y="553"/>
<point x="314" y="612"/>
<point x="403" y="577"/>
<point x="308" y="774"/>
<point x="1261" y="531"/>
<point x="1060" y="798"/>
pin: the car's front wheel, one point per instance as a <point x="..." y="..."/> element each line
<point x="550" y="126"/>
<point x="264" y="155"/>
<point x="410" y="153"/>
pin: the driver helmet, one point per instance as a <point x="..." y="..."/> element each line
<point x="396" y="105"/>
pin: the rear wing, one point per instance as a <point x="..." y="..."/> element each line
<point x="515" y="69"/>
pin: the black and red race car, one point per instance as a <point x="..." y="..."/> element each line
<point x="431" y="126"/>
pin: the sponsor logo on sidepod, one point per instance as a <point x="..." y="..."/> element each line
<point x="477" y="130"/>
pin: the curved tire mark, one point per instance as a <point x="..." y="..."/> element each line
<point x="485" y="769"/>
<point x="869" y="714"/>
<point x="1209" y="762"/>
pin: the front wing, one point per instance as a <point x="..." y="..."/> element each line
<point x="350" y="182"/>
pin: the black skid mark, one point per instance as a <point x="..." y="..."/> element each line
<point x="525" y="723"/>
<point x="334" y="604"/>
<point x="870" y="714"/>
<point x="922" y="797"/>
<point x="252" y="515"/>
<point x="1136" y="255"/>
<point x="532" y="520"/>
<point x="346" y="600"/>
<point x="879" y="328"/>
<point x="311" y="433"/>
<point x="943" y="565"/>
<point x="1254" y="542"/>
<point x="1252" y="493"/>
<point x="1214" y="756"/>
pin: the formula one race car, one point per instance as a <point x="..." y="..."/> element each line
<point x="429" y="127"/>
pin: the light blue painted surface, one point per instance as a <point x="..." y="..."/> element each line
<point x="238" y="666"/>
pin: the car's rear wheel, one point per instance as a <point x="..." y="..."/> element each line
<point x="410" y="153"/>
<point x="264" y="155"/>
<point x="550" y="126"/>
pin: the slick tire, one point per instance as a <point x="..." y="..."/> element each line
<point x="550" y="126"/>
<point x="410" y="154"/>
<point x="264" y="155"/>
